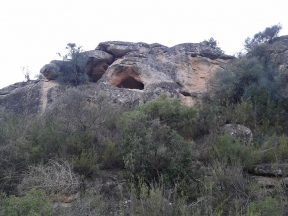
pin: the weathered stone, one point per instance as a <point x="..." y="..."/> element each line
<point x="119" y="48"/>
<point x="240" y="132"/>
<point x="21" y="98"/>
<point x="96" y="63"/>
<point x="275" y="170"/>
<point x="278" y="51"/>
<point x="50" y="71"/>
<point x="133" y="73"/>
<point x="270" y="182"/>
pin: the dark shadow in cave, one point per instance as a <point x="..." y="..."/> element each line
<point x="130" y="83"/>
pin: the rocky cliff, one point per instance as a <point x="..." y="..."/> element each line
<point x="132" y="73"/>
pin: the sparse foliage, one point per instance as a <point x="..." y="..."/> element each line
<point x="213" y="44"/>
<point x="73" y="72"/>
<point x="55" y="177"/>
<point x="262" y="37"/>
<point x="26" y="71"/>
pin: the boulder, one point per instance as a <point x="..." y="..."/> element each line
<point x="270" y="182"/>
<point x="95" y="63"/>
<point x="270" y="170"/>
<point x="240" y="132"/>
<point x="21" y="98"/>
<point x="120" y="48"/>
<point x="50" y="71"/>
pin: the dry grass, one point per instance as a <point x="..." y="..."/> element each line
<point x="54" y="178"/>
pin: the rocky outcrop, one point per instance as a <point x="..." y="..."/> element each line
<point x="133" y="73"/>
<point x="278" y="51"/>
<point x="240" y="132"/>
<point x="270" y="170"/>
<point x="21" y="98"/>
<point x="130" y="73"/>
<point x="145" y="71"/>
<point x="31" y="97"/>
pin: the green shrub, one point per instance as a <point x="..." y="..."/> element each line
<point x="155" y="201"/>
<point x="225" y="191"/>
<point x="249" y="80"/>
<point x="13" y="160"/>
<point x="44" y="140"/>
<point x="274" y="149"/>
<point x="151" y="144"/>
<point x="91" y="202"/>
<point x="229" y="149"/>
<point x="111" y="157"/>
<point x="33" y="203"/>
<point x="86" y="163"/>
<point x="267" y="207"/>
<point x="172" y="113"/>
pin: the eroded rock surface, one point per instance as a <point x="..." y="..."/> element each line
<point x="270" y="170"/>
<point x="130" y="73"/>
<point x="240" y="132"/>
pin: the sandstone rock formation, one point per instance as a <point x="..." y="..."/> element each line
<point x="133" y="73"/>
<point x="130" y="73"/>
<point x="278" y="51"/>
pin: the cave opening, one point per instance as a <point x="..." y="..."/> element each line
<point x="130" y="83"/>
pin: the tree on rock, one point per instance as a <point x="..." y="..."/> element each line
<point x="73" y="72"/>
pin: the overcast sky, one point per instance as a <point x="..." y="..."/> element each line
<point x="33" y="31"/>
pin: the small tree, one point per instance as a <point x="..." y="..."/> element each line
<point x="213" y="44"/>
<point x="262" y="37"/>
<point x="72" y="52"/>
<point x="73" y="72"/>
<point x="26" y="71"/>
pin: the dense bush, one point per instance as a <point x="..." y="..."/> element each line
<point x="13" y="160"/>
<point x="152" y="146"/>
<point x="173" y="114"/>
<point x="231" y="151"/>
<point x="249" y="81"/>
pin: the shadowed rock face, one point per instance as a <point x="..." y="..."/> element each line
<point x="130" y="73"/>
<point x="21" y="98"/>
<point x="126" y="77"/>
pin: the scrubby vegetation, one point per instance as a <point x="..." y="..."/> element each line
<point x="160" y="158"/>
<point x="72" y="73"/>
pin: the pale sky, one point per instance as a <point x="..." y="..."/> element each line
<point x="33" y="31"/>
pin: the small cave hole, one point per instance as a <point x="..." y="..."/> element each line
<point x="186" y="94"/>
<point x="130" y="83"/>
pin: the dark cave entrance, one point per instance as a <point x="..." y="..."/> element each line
<point x="126" y="77"/>
<point x="130" y="83"/>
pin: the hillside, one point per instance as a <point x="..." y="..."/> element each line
<point x="144" y="129"/>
